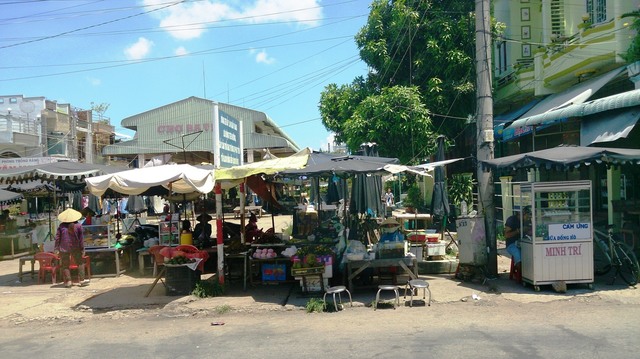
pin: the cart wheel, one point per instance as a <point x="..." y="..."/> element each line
<point x="536" y="288"/>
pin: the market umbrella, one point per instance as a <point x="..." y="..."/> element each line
<point x="333" y="192"/>
<point x="565" y="157"/>
<point x="440" y="200"/>
<point x="367" y="189"/>
<point x="181" y="178"/>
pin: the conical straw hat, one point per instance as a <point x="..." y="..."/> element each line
<point x="391" y="222"/>
<point x="69" y="215"/>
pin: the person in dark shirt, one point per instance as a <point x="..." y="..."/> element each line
<point x="202" y="231"/>
<point x="513" y="232"/>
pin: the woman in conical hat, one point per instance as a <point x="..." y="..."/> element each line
<point x="70" y="243"/>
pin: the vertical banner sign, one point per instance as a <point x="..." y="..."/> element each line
<point x="229" y="140"/>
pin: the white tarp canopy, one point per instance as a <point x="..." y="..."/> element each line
<point x="180" y="178"/>
<point x="422" y="169"/>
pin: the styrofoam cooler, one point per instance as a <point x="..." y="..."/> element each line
<point x="313" y="283"/>
<point x="436" y="249"/>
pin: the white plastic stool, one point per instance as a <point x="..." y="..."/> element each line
<point x="338" y="289"/>
<point x="382" y="287"/>
<point x="416" y="284"/>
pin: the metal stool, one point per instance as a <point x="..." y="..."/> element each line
<point x="382" y="287"/>
<point x="416" y="284"/>
<point x="338" y="289"/>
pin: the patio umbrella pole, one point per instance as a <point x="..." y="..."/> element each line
<point x="220" y="246"/>
<point x="243" y="198"/>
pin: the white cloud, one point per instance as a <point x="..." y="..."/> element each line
<point x="139" y="50"/>
<point x="180" y="51"/>
<point x="263" y="11"/>
<point x="263" y="58"/>
<point x="189" y="20"/>
<point x="94" y="81"/>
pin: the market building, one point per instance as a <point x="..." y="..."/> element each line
<point x="197" y="130"/>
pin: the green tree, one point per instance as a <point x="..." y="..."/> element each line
<point x="396" y="120"/>
<point x="420" y="55"/>
<point x="100" y="109"/>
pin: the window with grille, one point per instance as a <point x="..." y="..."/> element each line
<point x="502" y="57"/>
<point x="557" y="18"/>
<point x="597" y="10"/>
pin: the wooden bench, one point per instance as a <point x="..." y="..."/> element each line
<point x="247" y="210"/>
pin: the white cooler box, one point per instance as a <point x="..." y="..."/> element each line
<point x="436" y="249"/>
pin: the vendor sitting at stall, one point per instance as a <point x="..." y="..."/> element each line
<point x="390" y="229"/>
<point x="202" y="231"/>
<point x="513" y="233"/>
<point x="88" y="214"/>
<point x="251" y="229"/>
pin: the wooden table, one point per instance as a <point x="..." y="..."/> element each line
<point x="24" y="260"/>
<point x="356" y="267"/>
<point x="116" y="253"/>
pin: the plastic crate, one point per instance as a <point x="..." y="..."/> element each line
<point x="180" y="279"/>
<point x="274" y="272"/>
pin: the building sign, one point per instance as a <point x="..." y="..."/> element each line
<point x="179" y="129"/>
<point x="566" y="231"/>
<point x="229" y="140"/>
<point x="6" y="163"/>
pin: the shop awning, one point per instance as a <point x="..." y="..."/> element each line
<point x="70" y="171"/>
<point x="502" y="120"/>
<point x="608" y="126"/>
<point x="8" y="197"/>
<point x="614" y="102"/>
<point x="566" y="157"/>
<point x="548" y="110"/>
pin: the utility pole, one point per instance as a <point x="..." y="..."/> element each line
<point x="484" y="124"/>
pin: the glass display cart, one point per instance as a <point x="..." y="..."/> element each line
<point x="169" y="233"/>
<point x="99" y="245"/>
<point x="560" y="247"/>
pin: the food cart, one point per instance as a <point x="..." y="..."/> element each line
<point x="560" y="247"/>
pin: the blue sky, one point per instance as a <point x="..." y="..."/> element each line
<point x="274" y="56"/>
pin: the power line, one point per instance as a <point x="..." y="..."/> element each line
<point x="90" y="26"/>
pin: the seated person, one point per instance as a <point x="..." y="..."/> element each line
<point x="513" y="233"/>
<point x="251" y="229"/>
<point x="88" y="214"/>
<point x="202" y="231"/>
<point x="5" y="216"/>
<point x="390" y="229"/>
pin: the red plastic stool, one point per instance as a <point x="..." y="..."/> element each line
<point x="513" y="273"/>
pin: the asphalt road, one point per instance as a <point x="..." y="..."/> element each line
<point x="578" y="327"/>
